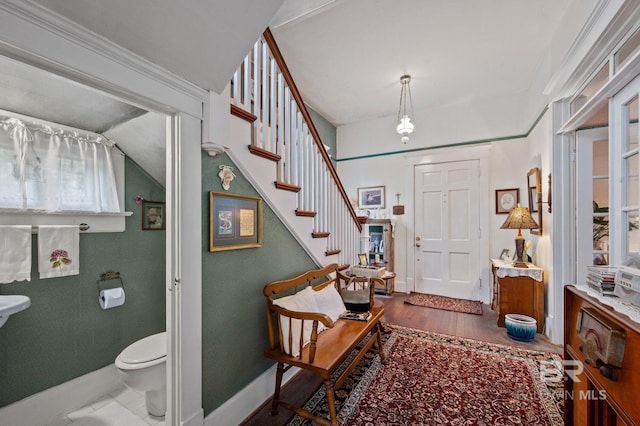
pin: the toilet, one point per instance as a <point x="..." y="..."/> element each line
<point x="142" y="366"/>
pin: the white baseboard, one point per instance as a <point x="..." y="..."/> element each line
<point x="46" y="406"/>
<point x="249" y="399"/>
<point x="197" y="419"/>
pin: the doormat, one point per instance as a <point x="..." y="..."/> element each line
<point x="445" y="303"/>
<point x="432" y="378"/>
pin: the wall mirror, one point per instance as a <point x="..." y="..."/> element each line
<point x="534" y="196"/>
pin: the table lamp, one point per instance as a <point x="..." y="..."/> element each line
<point x="519" y="218"/>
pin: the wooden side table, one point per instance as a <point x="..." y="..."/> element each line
<point x="389" y="284"/>
<point x="388" y="278"/>
<point x="518" y="291"/>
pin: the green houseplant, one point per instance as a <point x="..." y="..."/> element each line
<point x="601" y="223"/>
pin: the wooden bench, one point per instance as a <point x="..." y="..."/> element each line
<point x="327" y="349"/>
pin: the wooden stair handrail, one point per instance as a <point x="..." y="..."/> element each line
<point x="277" y="56"/>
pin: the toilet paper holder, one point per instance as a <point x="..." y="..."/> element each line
<point x="107" y="276"/>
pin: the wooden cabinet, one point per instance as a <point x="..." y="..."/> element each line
<point x="518" y="291"/>
<point x="379" y="247"/>
<point x="600" y="390"/>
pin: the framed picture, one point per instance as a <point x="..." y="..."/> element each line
<point x="375" y="242"/>
<point x="235" y="222"/>
<point x="371" y="197"/>
<point x="153" y="215"/>
<point x="507" y="199"/>
<point x="504" y="256"/>
<point x="362" y="258"/>
<point x="533" y="199"/>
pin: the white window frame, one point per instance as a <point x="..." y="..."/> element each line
<point x="88" y="222"/>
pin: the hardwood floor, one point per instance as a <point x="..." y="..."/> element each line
<point x="479" y="327"/>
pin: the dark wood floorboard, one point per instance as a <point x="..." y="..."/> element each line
<point x="479" y="327"/>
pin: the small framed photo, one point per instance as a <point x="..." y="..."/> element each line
<point x="153" y="215"/>
<point x="371" y="197"/>
<point x="506" y="200"/>
<point x="504" y="256"/>
<point x="362" y="258"/>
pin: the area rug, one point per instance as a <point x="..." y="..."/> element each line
<point x="433" y="379"/>
<point x="445" y="303"/>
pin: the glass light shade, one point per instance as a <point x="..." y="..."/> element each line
<point x="405" y="127"/>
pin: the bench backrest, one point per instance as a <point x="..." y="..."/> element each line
<point x="296" y="331"/>
<point x="290" y="329"/>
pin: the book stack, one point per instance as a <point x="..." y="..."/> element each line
<point x="602" y="279"/>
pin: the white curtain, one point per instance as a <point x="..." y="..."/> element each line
<point x="48" y="168"/>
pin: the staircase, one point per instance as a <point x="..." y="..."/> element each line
<point x="286" y="160"/>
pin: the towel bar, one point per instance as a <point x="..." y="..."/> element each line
<point x="83" y="227"/>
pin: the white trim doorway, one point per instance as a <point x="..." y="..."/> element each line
<point x="33" y="35"/>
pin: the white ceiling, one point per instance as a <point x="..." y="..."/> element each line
<point x="347" y="58"/>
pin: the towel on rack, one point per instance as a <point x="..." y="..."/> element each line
<point x="58" y="251"/>
<point x="15" y="253"/>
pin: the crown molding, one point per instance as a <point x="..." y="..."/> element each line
<point x="609" y="22"/>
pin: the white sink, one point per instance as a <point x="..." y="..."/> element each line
<point x="10" y="304"/>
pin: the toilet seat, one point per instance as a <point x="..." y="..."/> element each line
<point x="144" y="353"/>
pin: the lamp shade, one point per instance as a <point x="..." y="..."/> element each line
<point x="519" y="218"/>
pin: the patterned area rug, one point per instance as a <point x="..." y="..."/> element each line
<point x="445" y="303"/>
<point x="432" y="379"/>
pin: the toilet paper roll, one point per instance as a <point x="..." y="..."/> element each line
<point x="111" y="297"/>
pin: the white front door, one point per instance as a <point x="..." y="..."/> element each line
<point x="447" y="229"/>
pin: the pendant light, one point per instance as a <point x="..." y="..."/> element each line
<point x="405" y="112"/>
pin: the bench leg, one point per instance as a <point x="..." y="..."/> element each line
<point x="276" y="393"/>
<point x="331" y="401"/>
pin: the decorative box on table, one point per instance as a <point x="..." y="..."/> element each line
<point x="367" y="271"/>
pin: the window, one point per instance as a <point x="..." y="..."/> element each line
<point x="51" y="169"/>
<point x="57" y="175"/>
<point x="596" y="83"/>
<point x="631" y="161"/>
<point x="628" y="50"/>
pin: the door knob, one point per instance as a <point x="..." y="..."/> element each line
<point x="417" y="238"/>
<point x="417" y="244"/>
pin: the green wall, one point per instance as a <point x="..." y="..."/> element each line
<point x="233" y="307"/>
<point x="65" y="334"/>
